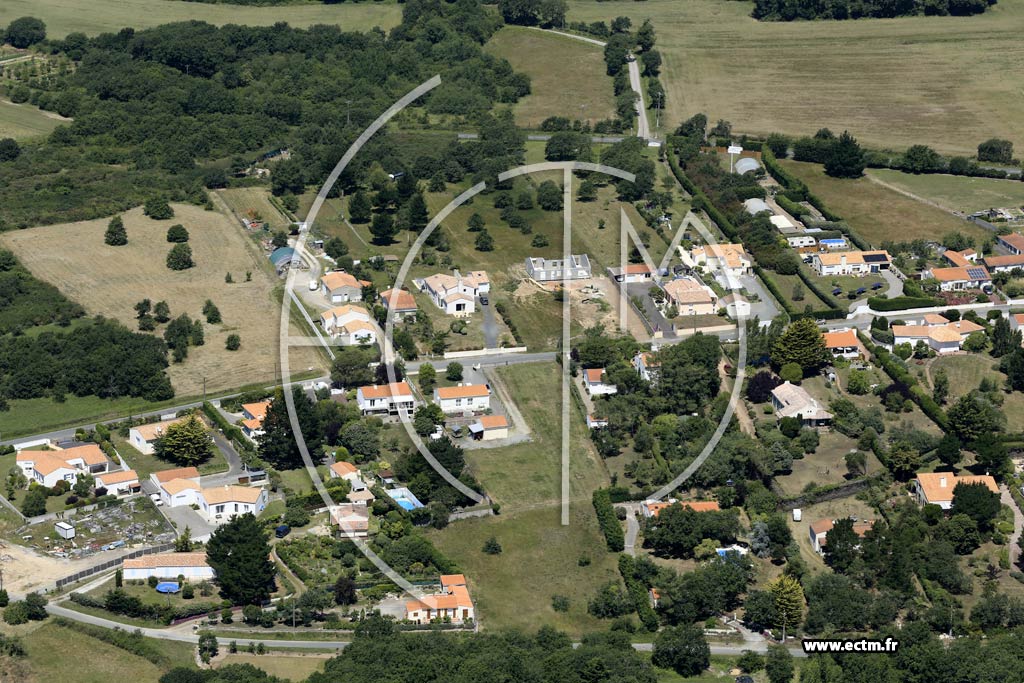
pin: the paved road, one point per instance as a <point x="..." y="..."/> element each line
<point x="539" y="137"/>
<point x="643" y="130"/>
<point x="490" y="327"/>
<point x="413" y="367"/>
<point x="632" y="526"/>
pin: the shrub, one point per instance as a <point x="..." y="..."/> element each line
<point x="180" y="257"/>
<point x="791" y="372"/>
<point x="492" y="546"/>
<point x="158" y="209"/>
<point x="177" y="233"/>
<point x="233" y="343"/>
<point x="559" y="603"/>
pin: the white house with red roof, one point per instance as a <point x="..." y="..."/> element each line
<point x="143" y="437"/>
<point x="489" y="428"/>
<point x="595" y="384"/>
<point x="121" y="483"/>
<point x="818" y="531"/>
<point x="959" y="278"/>
<point x="647" y="365"/>
<point x="399" y="303"/>
<point x="192" y="566"/>
<point x="452" y="603"/>
<point x="842" y="343"/>
<point x="348" y="472"/>
<point x="340" y="287"/>
<point x="61" y="464"/>
<point x="464" y="398"/>
<point x="253" y="415"/>
<point x="455" y="294"/>
<point x="632" y="273"/>
<point x="387" y="399"/>
<point x="349" y="325"/>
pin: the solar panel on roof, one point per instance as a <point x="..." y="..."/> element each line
<point x="976" y="273"/>
<point x="874" y="258"/>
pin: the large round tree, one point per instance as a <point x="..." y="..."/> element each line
<point x="240" y="554"/>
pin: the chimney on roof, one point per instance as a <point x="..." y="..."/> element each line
<point x="942" y="482"/>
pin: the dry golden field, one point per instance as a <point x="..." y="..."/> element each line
<point x="949" y="82"/>
<point x="110" y="280"/>
<point x="245" y="199"/>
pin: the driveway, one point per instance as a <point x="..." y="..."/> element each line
<point x="184" y="516"/>
<point x="643" y="130"/>
<point x="764" y="309"/>
<point x="632" y="526"/>
<point x="654" y="317"/>
<point x="895" y="288"/>
<point x="1018" y="524"/>
<point x="490" y="326"/>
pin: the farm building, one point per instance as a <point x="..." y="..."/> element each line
<point x="283" y="258"/>
<point x="192" y="566"/>
<point x="576" y="267"/>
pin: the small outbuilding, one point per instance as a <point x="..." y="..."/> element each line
<point x="490" y="428"/>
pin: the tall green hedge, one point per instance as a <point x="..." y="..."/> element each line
<point x="638" y="593"/>
<point x="610" y="527"/>
<point x="902" y="303"/>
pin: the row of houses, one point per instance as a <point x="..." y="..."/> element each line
<point x="397" y="397"/>
<point x="47" y="467"/>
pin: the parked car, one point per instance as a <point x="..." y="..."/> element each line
<point x="157" y="500"/>
<point x="282" y="531"/>
<point x="877" y="285"/>
<point x="484" y="300"/>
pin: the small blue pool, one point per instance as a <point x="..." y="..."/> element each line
<point x="405" y="504"/>
<point x="168" y="587"/>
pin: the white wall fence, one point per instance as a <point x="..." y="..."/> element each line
<point x="480" y="353"/>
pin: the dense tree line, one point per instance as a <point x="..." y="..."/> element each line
<point x="790" y="10"/>
<point x="159" y="101"/>
<point x="27" y="302"/>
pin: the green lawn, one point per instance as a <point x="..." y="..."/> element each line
<point x="291" y="667"/>
<point x="25" y="120"/>
<point x="877" y="213"/>
<point x="956" y="193"/>
<point x="567" y="76"/>
<point x="966" y="372"/>
<point x="112" y="15"/>
<point x="145" y="464"/>
<point x="528" y="474"/>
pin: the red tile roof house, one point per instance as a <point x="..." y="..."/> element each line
<point x="253" y="415"/>
<point x="62" y="464"/>
<point x="399" y="303"/>
<point x="465" y="398"/>
<point x="192" y="566"/>
<point x="593" y="382"/>
<point x="387" y="399"/>
<point x="143" y="437"/>
<point x="820" y="529"/>
<point x="347" y="471"/>
<point x="452" y="603"/>
<point x="937" y="488"/>
<point x="632" y="273"/>
<point x="340" y="287"/>
<point x="123" y="483"/>
<point x="843" y="344"/>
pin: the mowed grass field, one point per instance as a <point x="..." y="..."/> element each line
<point x="567" y="76"/>
<point x="99" y="16"/>
<point x="940" y="81"/>
<point x="956" y="193"/>
<point x="245" y="199"/>
<point x="288" y="667"/>
<point x="877" y="213"/>
<point x="110" y="280"/>
<point x="21" y="121"/>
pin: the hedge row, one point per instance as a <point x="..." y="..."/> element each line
<point x="129" y="641"/>
<point x="613" y="533"/>
<point x="119" y="602"/>
<point x="793" y="208"/>
<point x="638" y="593"/>
<point x="902" y="303"/>
<point x="724" y="224"/>
<point x="899" y="373"/>
<point x="502" y="310"/>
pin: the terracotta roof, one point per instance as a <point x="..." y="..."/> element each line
<point x="910" y="330"/>
<point x="453" y="580"/>
<point x="1014" y="239"/>
<point x="594" y="375"/>
<point x="1019" y="317"/>
<point x="176" y="486"/>
<point x="838" y="340"/>
<point x="177" y="473"/>
<point x="944" y="334"/>
<point x="121" y="477"/>
<point x="231" y="494"/>
<point x="253" y="425"/>
<point x="45" y="462"/>
<point x="687" y="291"/>
<point x="655" y="508"/>
<point x="733" y="254"/>
<point x="363" y="496"/>
<point x="358" y="326"/>
<point x="1004" y="261"/>
<point x="154" y="430"/>
<point x="465" y="391"/>
<point x="955" y="257"/>
<point x="796" y="402"/>
<point x="341" y="311"/>
<point x="351" y="517"/>
<point x="821" y="526"/>
<point x="457" y="296"/>
<point x="939" y="486"/>
<point x="338" y="279"/>
<point x="385" y="390"/>
<point x="852" y="257"/>
<point x="257" y="410"/>
<point x="935" y="319"/>
<point x="960" y="274"/>
<point x="636" y="269"/>
<point x="167" y="560"/>
<point x="398" y="300"/>
<point x="342" y="468"/>
<point x="965" y="326"/>
<point x="493" y="421"/>
<point x="90" y="453"/>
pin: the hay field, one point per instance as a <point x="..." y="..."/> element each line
<point x="567" y="76"/>
<point x="877" y="213"/>
<point x="956" y="193"/>
<point x="948" y="82"/>
<point x="98" y="16"/>
<point x="21" y="121"/>
<point x="110" y="280"/>
<point x="244" y="199"/>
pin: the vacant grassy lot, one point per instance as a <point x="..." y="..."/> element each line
<point x="877" y="213"/>
<point x="99" y="16"/>
<point x="825" y="466"/>
<point x="956" y="193"/>
<point x="966" y="372"/>
<point x="528" y="474"/>
<point x="242" y="200"/>
<point x="948" y="91"/>
<point x="26" y="121"/>
<point x="110" y="280"/>
<point x="539" y="559"/>
<point x="288" y="667"/>
<point x="567" y="75"/>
